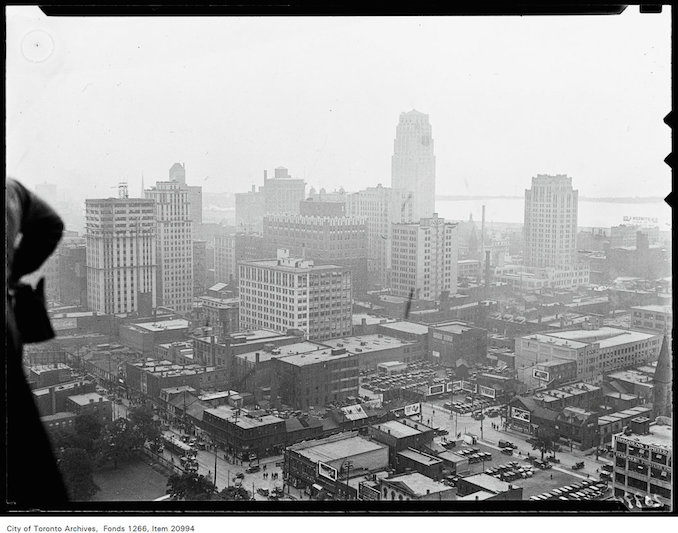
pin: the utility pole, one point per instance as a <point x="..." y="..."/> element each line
<point x="215" y="468"/>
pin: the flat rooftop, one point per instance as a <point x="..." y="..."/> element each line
<point x="367" y="343"/>
<point x="87" y="398"/>
<point x="477" y="496"/>
<point x="452" y="457"/>
<point x="457" y="328"/>
<point x="397" y="429"/>
<point x="631" y="376"/>
<point x="555" y="341"/>
<point x="418" y="483"/>
<point x="370" y="320"/>
<point x="420" y="457"/>
<point x="243" y="420"/>
<point x="661" y="436"/>
<point x="305" y="265"/>
<point x="256" y="336"/>
<point x="408" y="327"/>
<point x="223" y="303"/>
<point x="298" y="348"/>
<point x="339" y="449"/>
<point x="314" y="357"/>
<point x="488" y="483"/>
<point x="556" y="362"/>
<point x="177" y="323"/>
<point x="606" y="336"/>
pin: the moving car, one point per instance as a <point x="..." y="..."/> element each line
<point x="253" y="469"/>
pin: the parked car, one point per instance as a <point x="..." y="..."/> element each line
<point x="553" y="459"/>
<point x="578" y="466"/>
<point x="239" y="475"/>
<point x="263" y="492"/>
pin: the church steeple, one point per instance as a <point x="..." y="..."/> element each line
<point x="662" y="384"/>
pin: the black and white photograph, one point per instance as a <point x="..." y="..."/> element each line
<point x="352" y="263"/>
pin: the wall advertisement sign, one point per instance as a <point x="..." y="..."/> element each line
<point x="520" y="414"/>
<point x="327" y="471"/>
<point x="469" y="387"/>
<point x="436" y="389"/>
<point x="540" y="374"/>
<point x="488" y="392"/>
<point x="413" y="409"/>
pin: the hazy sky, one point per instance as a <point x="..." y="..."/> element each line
<point x="104" y="99"/>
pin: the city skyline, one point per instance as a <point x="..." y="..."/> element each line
<point x="347" y="259"/>
<point x="604" y="99"/>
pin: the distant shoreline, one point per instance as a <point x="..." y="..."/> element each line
<point x="605" y="199"/>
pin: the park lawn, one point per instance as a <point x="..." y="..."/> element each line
<point x="134" y="481"/>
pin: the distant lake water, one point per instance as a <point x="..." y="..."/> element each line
<point x="591" y="213"/>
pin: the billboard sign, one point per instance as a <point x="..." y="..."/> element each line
<point x="453" y="386"/>
<point x="365" y="492"/>
<point x="468" y="386"/>
<point x="436" y="389"/>
<point x="413" y="409"/>
<point x="488" y="392"/>
<point x="540" y="374"/>
<point x="520" y="414"/>
<point x="327" y="471"/>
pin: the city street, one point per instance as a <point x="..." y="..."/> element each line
<point x="227" y="468"/>
<point x="443" y="418"/>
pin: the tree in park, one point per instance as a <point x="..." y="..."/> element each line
<point x="119" y="442"/>
<point x="232" y="494"/>
<point x="87" y="429"/>
<point x="190" y="486"/>
<point x="76" y="470"/>
<point x="144" y="424"/>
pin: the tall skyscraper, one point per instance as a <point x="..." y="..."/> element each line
<point x="282" y="193"/>
<point x="177" y="174"/>
<point x="551" y="222"/>
<point x="424" y="259"/>
<point x="121" y="255"/>
<point x="286" y="293"/>
<point x="174" y="243"/>
<point x="413" y="165"/>
<point x="380" y="207"/>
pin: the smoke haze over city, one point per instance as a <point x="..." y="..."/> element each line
<point x="508" y="97"/>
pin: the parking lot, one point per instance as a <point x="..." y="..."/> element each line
<point x="544" y="480"/>
<point x="587" y="489"/>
